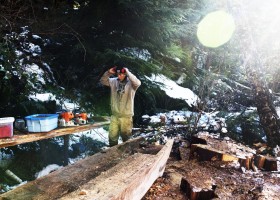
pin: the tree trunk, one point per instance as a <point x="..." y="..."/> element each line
<point x="267" y="113"/>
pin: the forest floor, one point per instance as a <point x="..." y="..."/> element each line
<point x="212" y="179"/>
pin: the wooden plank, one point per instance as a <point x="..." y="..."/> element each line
<point x="129" y="180"/>
<point x="32" y="137"/>
<point x="69" y="178"/>
<point x="206" y="153"/>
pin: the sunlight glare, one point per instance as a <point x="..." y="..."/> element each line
<point x="260" y="21"/>
<point x="215" y="29"/>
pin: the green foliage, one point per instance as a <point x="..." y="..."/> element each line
<point x="244" y="126"/>
<point x="85" y="41"/>
<point x="6" y="89"/>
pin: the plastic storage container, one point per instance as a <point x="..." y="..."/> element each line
<point x="6" y="127"/>
<point x="41" y="122"/>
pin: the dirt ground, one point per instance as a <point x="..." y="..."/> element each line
<point x="227" y="179"/>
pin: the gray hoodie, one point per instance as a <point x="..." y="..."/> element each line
<point x="122" y="98"/>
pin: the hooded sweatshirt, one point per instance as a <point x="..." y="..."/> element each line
<point x="122" y="93"/>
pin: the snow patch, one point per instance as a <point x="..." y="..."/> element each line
<point x="48" y="169"/>
<point x="173" y="90"/>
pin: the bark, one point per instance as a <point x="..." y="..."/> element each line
<point x="268" y="115"/>
<point x="269" y="119"/>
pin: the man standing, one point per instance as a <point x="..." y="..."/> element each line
<point x="123" y="88"/>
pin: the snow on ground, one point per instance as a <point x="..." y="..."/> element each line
<point x="278" y="110"/>
<point x="66" y="105"/>
<point x="99" y="134"/>
<point x="48" y="170"/>
<point x="172" y="89"/>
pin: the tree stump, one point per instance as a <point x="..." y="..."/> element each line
<point x="203" y="191"/>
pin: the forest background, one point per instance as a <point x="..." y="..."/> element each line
<point x="63" y="47"/>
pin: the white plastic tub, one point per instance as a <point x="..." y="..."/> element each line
<point x="41" y="122"/>
<point x="6" y="127"/>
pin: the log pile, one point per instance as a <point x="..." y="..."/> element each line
<point x="208" y="149"/>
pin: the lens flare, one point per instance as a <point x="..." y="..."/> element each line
<point x="215" y="29"/>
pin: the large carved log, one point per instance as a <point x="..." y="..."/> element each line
<point x="121" y="172"/>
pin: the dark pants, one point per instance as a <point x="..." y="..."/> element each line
<point x="119" y="126"/>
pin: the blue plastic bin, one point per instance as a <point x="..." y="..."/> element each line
<point x="41" y="122"/>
